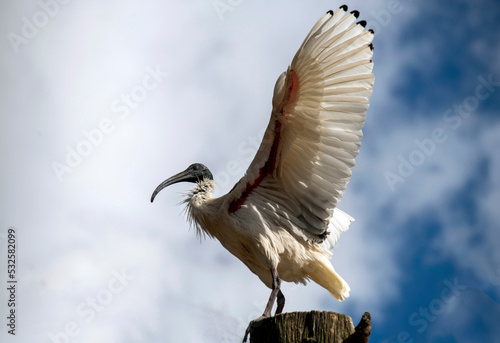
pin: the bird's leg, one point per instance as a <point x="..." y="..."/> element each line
<point x="274" y="293"/>
<point x="281" y="303"/>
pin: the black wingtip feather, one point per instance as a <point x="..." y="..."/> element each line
<point x="372" y="32"/>
<point x="344" y="7"/>
<point x="355" y="14"/>
<point x="371" y="46"/>
<point x="330" y="12"/>
<point x="362" y="23"/>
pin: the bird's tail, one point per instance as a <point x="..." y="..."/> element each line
<point x="321" y="271"/>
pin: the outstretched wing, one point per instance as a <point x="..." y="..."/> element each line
<point x="304" y="162"/>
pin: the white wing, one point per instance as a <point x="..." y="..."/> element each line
<point x="304" y="162"/>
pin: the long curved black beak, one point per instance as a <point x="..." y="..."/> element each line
<point x="180" y="177"/>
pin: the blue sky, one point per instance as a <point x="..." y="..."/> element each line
<point x="102" y="101"/>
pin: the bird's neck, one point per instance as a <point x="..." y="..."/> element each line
<point x="201" y="193"/>
<point x="199" y="214"/>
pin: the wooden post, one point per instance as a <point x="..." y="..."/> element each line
<point x="310" y="327"/>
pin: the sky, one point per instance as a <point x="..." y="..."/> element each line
<point x="103" y="100"/>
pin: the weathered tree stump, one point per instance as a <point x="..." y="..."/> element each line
<point x="314" y="326"/>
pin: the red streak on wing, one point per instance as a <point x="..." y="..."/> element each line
<point x="293" y="90"/>
<point x="289" y="97"/>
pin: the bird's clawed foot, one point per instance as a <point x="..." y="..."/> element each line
<point x="276" y="295"/>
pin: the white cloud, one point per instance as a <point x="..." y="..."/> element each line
<point x="472" y="245"/>
<point x="99" y="218"/>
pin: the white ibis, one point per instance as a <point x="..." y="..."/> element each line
<point x="281" y="219"/>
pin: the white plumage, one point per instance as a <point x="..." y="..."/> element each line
<point x="281" y="219"/>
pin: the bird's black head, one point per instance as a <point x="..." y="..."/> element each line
<point x="196" y="172"/>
